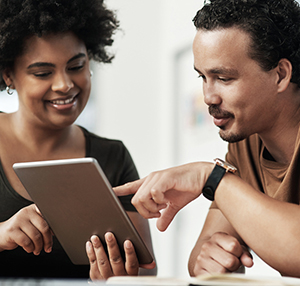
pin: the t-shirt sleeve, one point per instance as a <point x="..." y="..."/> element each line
<point x="129" y="174"/>
<point x="115" y="161"/>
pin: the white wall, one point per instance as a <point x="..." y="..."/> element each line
<point x="136" y="104"/>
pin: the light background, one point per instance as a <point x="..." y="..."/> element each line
<point x="151" y="99"/>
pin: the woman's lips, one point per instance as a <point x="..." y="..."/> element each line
<point x="63" y="104"/>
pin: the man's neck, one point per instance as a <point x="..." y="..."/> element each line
<point x="281" y="135"/>
<point x="281" y="143"/>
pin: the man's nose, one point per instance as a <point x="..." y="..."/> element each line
<point x="211" y="95"/>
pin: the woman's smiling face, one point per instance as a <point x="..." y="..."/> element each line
<point x="52" y="78"/>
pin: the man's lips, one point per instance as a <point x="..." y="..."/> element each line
<point x="221" y="121"/>
<point x="220" y="117"/>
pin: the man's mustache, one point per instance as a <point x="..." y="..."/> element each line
<point x="215" y="111"/>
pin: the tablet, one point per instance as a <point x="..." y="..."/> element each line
<point x="77" y="201"/>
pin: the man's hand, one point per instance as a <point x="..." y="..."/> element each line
<point x="222" y="253"/>
<point x="28" y="229"/>
<point x="168" y="190"/>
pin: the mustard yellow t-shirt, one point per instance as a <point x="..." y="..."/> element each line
<point x="256" y="166"/>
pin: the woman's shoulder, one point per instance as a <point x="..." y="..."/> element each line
<point x="4" y="122"/>
<point x="97" y="139"/>
<point x="104" y="148"/>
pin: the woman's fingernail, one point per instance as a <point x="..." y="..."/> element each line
<point x="88" y="245"/>
<point x="127" y="244"/>
<point x="108" y="236"/>
<point x="94" y="239"/>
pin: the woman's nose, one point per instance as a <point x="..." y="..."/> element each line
<point x="62" y="83"/>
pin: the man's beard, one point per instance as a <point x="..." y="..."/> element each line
<point x="215" y="111"/>
<point x="231" y="138"/>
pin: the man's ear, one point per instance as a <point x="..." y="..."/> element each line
<point x="7" y="77"/>
<point x="284" y="73"/>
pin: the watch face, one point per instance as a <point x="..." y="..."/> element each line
<point x="228" y="167"/>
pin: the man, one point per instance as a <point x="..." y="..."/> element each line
<point x="248" y="54"/>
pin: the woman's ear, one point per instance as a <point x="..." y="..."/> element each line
<point x="7" y="77"/>
<point x="284" y="72"/>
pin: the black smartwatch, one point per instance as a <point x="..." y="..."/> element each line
<point x="215" y="177"/>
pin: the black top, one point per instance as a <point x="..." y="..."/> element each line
<point x="117" y="164"/>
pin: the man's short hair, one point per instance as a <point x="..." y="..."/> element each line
<point x="273" y="25"/>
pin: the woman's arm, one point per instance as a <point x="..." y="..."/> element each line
<point x="27" y="229"/>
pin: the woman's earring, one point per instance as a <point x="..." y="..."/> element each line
<point x="91" y="73"/>
<point x="9" y="91"/>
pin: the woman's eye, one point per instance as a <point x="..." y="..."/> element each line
<point x="42" y="74"/>
<point x="76" y="68"/>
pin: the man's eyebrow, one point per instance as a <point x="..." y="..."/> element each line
<point x="224" y="71"/>
<point x="46" y="64"/>
<point x="221" y="70"/>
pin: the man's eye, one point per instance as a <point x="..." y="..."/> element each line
<point x="224" y="79"/>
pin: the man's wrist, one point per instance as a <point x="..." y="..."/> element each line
<point x="218" y="172"/>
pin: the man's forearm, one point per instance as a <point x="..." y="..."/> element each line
<point x="270" y="227"/>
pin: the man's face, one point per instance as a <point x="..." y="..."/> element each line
<point x="242" y="98"/>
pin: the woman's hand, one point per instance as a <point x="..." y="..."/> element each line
<point x="168" y="190"/>
<point x="28" y="229"/>
<point x="103" y="266"/>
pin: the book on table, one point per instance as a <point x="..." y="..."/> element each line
<point x="204" y="280"/>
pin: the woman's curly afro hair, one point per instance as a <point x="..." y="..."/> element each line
<point x="89" y="20"/>
<point x="273" y="25"/>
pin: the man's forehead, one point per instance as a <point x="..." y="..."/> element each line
<point x="233" y="35"/>
<point x="221" y="50"/>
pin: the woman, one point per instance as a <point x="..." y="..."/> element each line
<point x="45" y="48"/>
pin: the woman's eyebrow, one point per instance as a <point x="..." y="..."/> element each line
<point x="80" y="55"/>
<point x="46" y="64"/>
<point x="40" y="64"/>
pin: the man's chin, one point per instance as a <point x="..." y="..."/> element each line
<point x="231" y="137"/>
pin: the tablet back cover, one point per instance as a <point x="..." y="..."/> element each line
<point x="77" y="201"/>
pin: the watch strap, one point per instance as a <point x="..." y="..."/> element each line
<point x="212" y="182"/>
